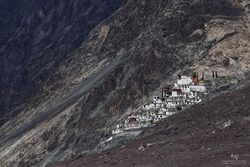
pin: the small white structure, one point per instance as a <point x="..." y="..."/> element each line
<point x="184" y="80"/>
<point x="117" y="130"/>
<point x="149" y="106"/>
<point x="185" y="88"/>
<point x="158" y="99"/>
<point x="145" y="118"/>
<point x="171" y="103"/>
<point x="131" y="118"/>
<point x="176" y="92"/>
<point x="163" y="110"/>
<point x="169" y="113"/>
<point x="153" y="105"/>
<point x="132" y="125"/>
<point x="198" y="88"/>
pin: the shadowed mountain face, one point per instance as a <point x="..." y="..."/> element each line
<point x="35" y="37"/>
<point x="123" y="62"/>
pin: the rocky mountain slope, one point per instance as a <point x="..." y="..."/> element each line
<point x="36" y="36"/>
<point x="209" y="134"/>
<point x="123" y="62"/>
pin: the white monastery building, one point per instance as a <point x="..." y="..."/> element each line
<point x="186" y="91"/>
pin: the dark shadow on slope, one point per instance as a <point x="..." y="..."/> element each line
<point x="215" y="7"/>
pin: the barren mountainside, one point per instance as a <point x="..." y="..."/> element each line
<point x="36" y="36"/>
<point x="123" y="62"/>
<point x="208" y="134"/>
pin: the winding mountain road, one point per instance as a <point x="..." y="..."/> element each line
<point x="66" y="102"/>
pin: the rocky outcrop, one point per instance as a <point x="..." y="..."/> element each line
<point x="155" y="42"/>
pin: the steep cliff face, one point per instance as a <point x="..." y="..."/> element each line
<point x="35" y="37"/>
<point x="123" y="62"/>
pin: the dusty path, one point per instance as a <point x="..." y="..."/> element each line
<point x="66" y="102"/>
